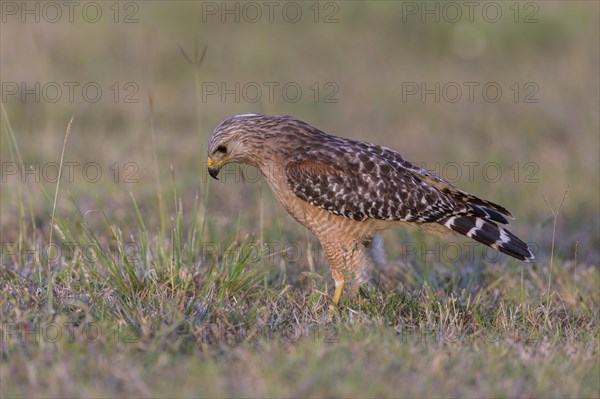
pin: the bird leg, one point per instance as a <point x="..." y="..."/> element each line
<point x="348" y="263"/>
<point x="339" y="288"/>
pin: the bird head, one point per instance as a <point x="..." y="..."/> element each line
<point x="237" y="139"/>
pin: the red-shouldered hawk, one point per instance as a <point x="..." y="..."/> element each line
<point x="346" y="190"/>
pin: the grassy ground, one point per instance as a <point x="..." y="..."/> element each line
<point x="153" y="280"/>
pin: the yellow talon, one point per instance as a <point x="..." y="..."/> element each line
<point x="338" y="293"/>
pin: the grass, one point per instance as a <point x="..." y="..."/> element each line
<point x="148" y="316"/>
<point x="180" y="286"/>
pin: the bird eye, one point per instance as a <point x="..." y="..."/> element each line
<point x="222" y="149"/>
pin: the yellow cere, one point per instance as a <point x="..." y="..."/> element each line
<point x="219" y="163"/>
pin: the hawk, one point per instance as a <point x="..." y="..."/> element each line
<point x="345" y="191"/>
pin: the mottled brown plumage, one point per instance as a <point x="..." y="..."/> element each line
<point x="346" y="190"/>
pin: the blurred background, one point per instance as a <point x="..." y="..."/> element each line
<point x="500" y="98"/>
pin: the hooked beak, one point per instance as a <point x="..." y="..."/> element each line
<point x="214" y="167"/>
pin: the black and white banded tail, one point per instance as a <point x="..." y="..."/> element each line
<point x="489" y="233"/>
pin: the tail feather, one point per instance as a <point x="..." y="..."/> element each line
<point x="488" y="213"/>
<point x="484" y="230"/>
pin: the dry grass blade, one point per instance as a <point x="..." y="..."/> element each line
<point x="49" y="292"/>
<point x="60" y="165"/>
<point x="555" y="216"/>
